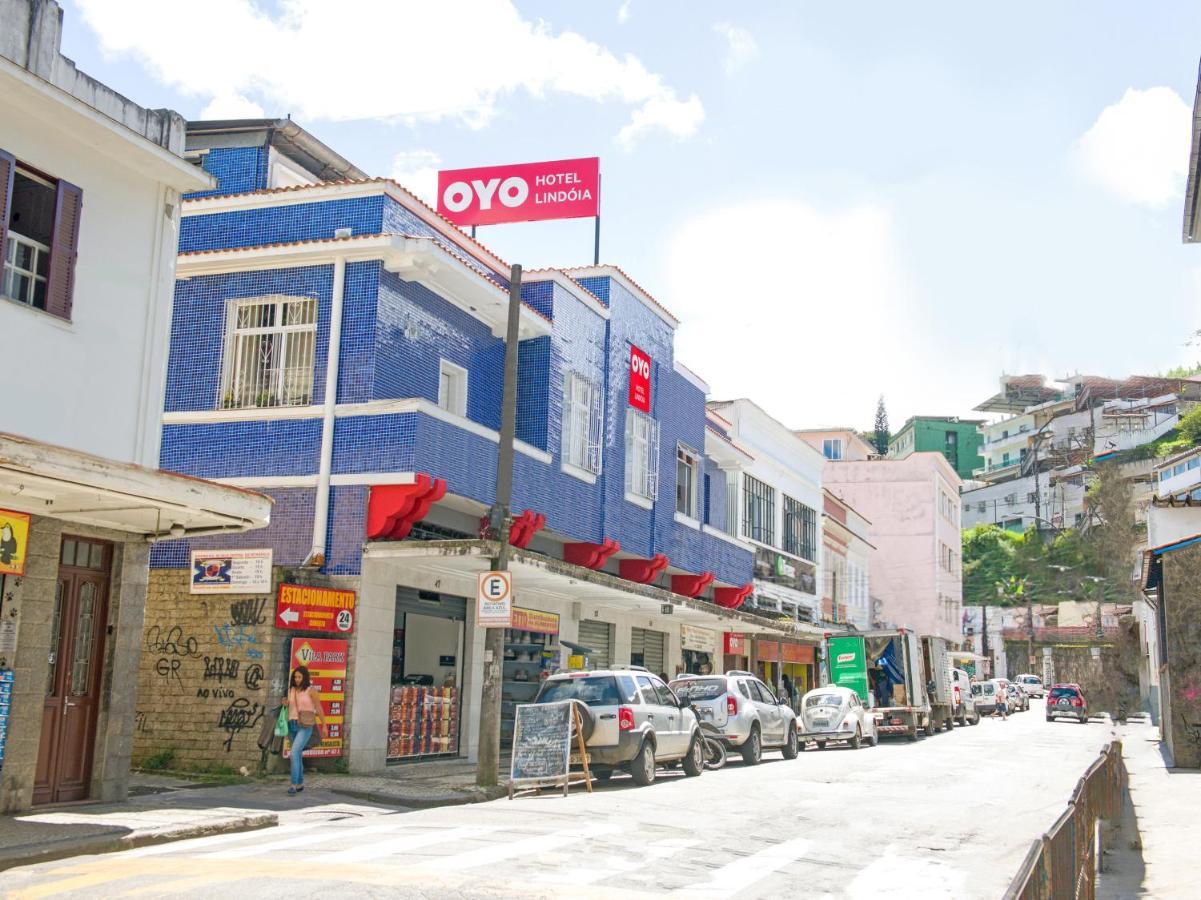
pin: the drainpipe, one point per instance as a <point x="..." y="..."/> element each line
<point x="321" y="509"/>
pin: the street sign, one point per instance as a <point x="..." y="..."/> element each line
<point x="303" y="608"/>
<point x="494" y="600"/>
<point x="667" y="608"/>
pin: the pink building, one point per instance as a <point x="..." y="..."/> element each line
<point x="913" y="505"/>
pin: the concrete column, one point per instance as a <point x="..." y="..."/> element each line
<point x="371" y="659"/>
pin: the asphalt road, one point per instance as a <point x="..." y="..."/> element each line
<point x="948" y="816"/>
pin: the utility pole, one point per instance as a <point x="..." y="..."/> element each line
<point x="1030" y="627"/>
<point x="487" y="769"/>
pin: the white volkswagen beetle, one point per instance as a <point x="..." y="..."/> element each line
<point x="834" y="713"/>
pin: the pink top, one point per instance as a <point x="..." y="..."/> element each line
<point x="303" y="701"/>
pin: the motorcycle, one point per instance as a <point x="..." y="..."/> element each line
<point x="715" y="747"/>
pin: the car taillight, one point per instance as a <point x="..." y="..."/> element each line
<point x="1076" y="701"/>
<point x="731" y="705"/>
<point x="625" y="718"/>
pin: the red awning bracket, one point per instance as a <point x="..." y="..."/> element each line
<point x="691" y="585"/>
<point x="393" y="509"/>
<point x="644" y="571"/>
<point x="732" y="597"/>
<point x="590" y="556"/>
<point x="524" y="527"/>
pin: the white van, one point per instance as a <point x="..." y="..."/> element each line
<point x="1032" y="685"/>
<point x="985" y="695"/>
<point x="963" y="703"/>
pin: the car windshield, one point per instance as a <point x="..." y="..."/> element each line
<point x="975" y="690"/>
<point x="834" y="700"/>
<point x="699" y="688"/>
<point x="598" y="691"/>
<point x="1063" y="692"/>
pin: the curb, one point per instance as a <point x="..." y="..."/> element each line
<point x="411" y="801"/>
<point x="114" y="843"/>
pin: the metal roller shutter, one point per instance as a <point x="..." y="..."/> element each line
<point x="652" y="646"/>
<point x="597" y="637"/>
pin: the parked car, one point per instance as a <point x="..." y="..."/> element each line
<point x="834" y="713"/>
<point x="985" y="695"/>
<point x="1018" y="701"/>
<point x="1032" y="685"/>
<point x="963" y="699"/>
<point x="631" y="721"/>
<point x="748" y="716"/>
<point x="1067" y="701"/>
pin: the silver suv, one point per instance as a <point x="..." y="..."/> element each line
<point x="743" y="712"/>
<point x="631" y="720"/>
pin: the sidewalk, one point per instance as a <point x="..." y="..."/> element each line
<point x="171" y="807"/>
<point x="1164" y="806"/>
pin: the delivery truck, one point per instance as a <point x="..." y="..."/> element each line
<point x="936" y="663"/>
<point x="887" y="670"/>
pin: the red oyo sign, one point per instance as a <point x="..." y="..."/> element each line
<point x="640" y="380"/>
<point x="303" y="608"/>
<point x="525" y="192"/>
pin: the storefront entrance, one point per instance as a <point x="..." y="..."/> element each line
<point x="700" y="647"/>
<point x="427" y="672"/>
<point x="64" y="767"/>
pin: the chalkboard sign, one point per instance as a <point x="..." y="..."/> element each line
<point x="541" y="744"/>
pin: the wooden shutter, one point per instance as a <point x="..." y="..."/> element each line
<point x="64" y="248"/>
<point x="7" y="166"/>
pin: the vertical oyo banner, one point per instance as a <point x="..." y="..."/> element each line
<point x="848" y="665"/>
<point x="326" y="661"/>
<point x="640" y="380"/>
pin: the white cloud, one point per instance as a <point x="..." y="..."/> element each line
<point x="741" y="47"/>
<point x="623" y="12"/>
<point x="392" y="59"/>
<point x="1138" y="148"/>
<point x="232" y="106"/>
<point x="417" y="170"/>
<point x="808" y="312"/>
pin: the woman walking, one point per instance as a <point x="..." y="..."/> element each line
<point x="304" y="714"/>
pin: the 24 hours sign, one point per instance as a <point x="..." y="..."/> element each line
<point x="304" y="608"/>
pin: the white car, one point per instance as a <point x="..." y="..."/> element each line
<point x="1032" y="685"/>
<point x="834" y="713"/>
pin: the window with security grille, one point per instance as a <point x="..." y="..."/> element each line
<point x="269" y="350"/>
<point x="687" y="464"/>
<point x="581" y="423"/>
<point x="642" y="454"/>
<point x="800" y="529"/>
<point x="758" y="510"/>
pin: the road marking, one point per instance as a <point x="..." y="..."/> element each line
<point x="212" y="840"/>
<point x="742" y="873"/>
<point x="327" y="834"/>
<point x="618" y="865"/>
<point x="402" y="844"/>
<point x="533" y="846"/>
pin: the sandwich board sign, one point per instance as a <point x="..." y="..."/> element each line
<point x="542" y="747"/>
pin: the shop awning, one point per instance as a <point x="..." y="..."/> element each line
<point x="456" y="566"/>
<point x="59" y="483"/>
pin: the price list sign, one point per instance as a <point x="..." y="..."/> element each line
<point x="326" y="661"/>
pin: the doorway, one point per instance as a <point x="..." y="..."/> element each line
<point x="72" y="704"/>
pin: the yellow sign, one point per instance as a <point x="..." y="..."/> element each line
<point x="535" y="620"/>
<point x="14" y="542"/>
<point x="575" y="661"/>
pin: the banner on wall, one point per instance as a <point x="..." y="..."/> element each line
<point x="326" y="659"/>
<point x="231" y="571"/>
<point x="640" y="380"/>
<point x="14" y="542"/>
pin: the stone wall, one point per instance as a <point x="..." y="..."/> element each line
<point x="1181" y="683"/>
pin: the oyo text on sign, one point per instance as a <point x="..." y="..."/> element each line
<point x="303" y="608"/>
<point x="640" y="380"/>
<point x="525" y="192"/>
<point x="494" y="600"/>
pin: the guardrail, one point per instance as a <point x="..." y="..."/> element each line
<point x="1064" y="862"/>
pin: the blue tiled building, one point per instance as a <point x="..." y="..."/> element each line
<point x="337" y="345"/>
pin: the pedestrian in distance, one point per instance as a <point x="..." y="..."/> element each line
<point x="1002" y="709"/>
<point x="304" y="715"/>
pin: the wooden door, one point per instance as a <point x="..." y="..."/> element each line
<point x="72" y="701"/>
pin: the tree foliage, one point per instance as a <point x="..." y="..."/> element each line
<point x="881" y="436"/>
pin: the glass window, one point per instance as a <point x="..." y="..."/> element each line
<point x="598" y="691"/>
<point x="832" y="448"/>
<point x="687" y="463"/>
<point x="666" y="697"/>
<point x="800" y="529"/>
<point x="833" y="700"/>
<point x="269" y="348"/>
<point x="642" y="454"/>
<point x="648" y="690"/>
<point x="452" y="388"/>
<point x="26" y="256"/>
<point x="699" y="688"/>
<point x="742" y="689"/>
<point x="629" y="692"/>
<point x="758" y="511"/>
<point x="581" y="423"/>
<point x="763" y="692"/>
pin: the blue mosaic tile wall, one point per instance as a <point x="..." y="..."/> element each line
<point x="237" y="170"/>
<point x="347" y="529"/>
<point x="290" y="534"/>
<point x="242" y="449"/>
<point x="280" y="224"/>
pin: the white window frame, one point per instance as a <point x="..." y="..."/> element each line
<point x="834" y="445"/>
<point x="642" y="456"/>
<point x="582" y="424"/>
<point x="241" y="389"/>
<point x="454" y="398"/>
<point x="692" y="460"/>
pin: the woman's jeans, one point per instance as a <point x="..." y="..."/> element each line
<point x="299" y="736"/>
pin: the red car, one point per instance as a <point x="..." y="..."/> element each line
<point x="1067" y="701"/>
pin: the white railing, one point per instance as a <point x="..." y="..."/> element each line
<point x="26" y="265"/>
<point x="1128" y="440"/>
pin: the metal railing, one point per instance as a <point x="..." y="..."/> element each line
<point x="1064" y="862"/>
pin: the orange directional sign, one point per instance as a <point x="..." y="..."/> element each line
<point x="303" y="608"/>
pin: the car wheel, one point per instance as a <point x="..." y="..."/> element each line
<point x="911" y="734"/>
<point x="694" y="762"/>
<point x="1050" y="718"/>
<point x="790" y="748"/>
<point x="752" y="749"/>
<point x="602" y="774"/>
<point x="948" y="725"/>
<point x="976" y="721"/>
<point x="642" y="767"/>
<point x="857" y="740"/>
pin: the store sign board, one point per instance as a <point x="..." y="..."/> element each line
<point x="327" y="660"/>
<point x="523" y="192"/>
<point x="702" y="640"/>
<point x="535" y="620"/>
<point x="735" y="644"/>
<point x="848" y="665"/>
<point x="640" y="380"/>
<point x="768" y="651"/>
<point x="494" y="600"/>
<point x="14" y="542"/>
<point x="303" y="608"/>
<point x="231" y="571"/>
<point x="796" y="653"/>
